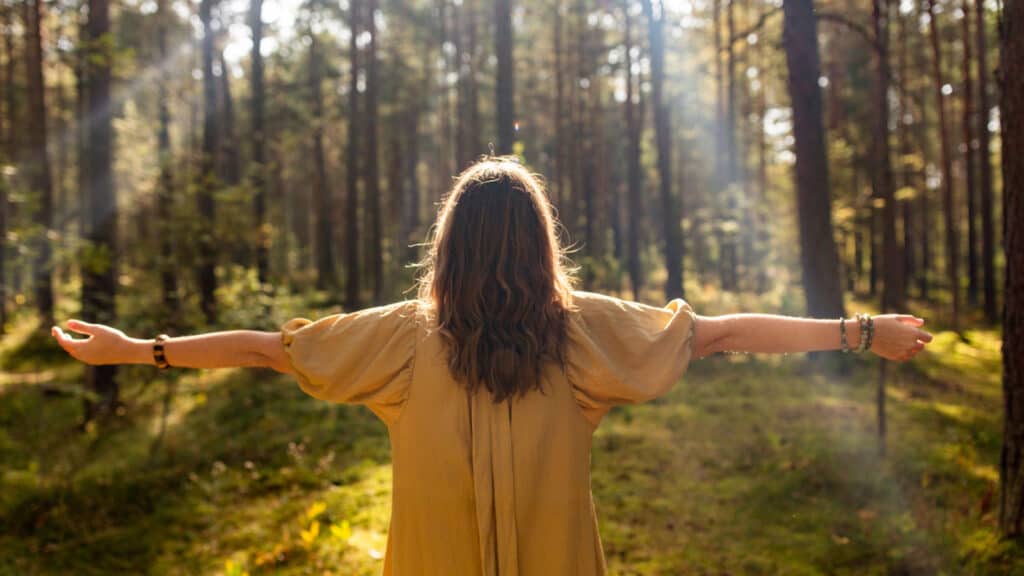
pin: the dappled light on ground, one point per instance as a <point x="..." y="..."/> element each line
<point x="752" y="465"/>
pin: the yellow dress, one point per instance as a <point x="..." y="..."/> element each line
<point x="485" y="488"/>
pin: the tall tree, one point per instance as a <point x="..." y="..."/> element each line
<point x="230" y="160"/>
<point x="1011" y="463"/>
<point x="371" y="175"/>
<point x="37" y="162"/>
<point x="505" y="85"/>
<point x="258" y="138"/>
<point x="352" y="165"/>
<point x="208" y="182"/>
<point x="165" y="183"/>
<point x="633" y="187"/>
<point x="893" y="290"/>
<point x="988" y="234"/>
<point x="6" y="93"/>
<point x="662" y="135"/>
<point x="326" y="275"/>
<point x="99" y="276"/>
<point x="10" y="99"/>
<point x="818" y="255"/>
<point x="969" y="154"/>
<point x="948" y="207"/>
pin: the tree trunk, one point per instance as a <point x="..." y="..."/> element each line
<point x="165" y="184"/>
<point x="38" y="161"/>
<point x="948" y="207"/>
<point x="633" y="128"/>
<point x="556" y="122"/>
<point x="231" y="162"/>
<point x="506" y="83"/>
<point x="818" y="255"/>
<point x="259" y="168"/>
<point x="207" y="277"/>
<point x="352" y="297"/>
<point x="764" y="234"/>
<point x="905" y="150"/>
<point x="468" y="145"/>
<point x="969" y="156"/>
<point x="1011" y="464"/>
<point x="662" y="135"/>
<point x="893" y="295"/>
<point x="988" y="234"/>
<point x="99" y="278"/>
<point x="326" y="275"/>
<point x="371" y="176"/>
<point x="10" y="101"/>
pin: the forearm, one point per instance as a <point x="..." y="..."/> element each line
<point x="770" y="333"/>
<point x="228" y="349"/>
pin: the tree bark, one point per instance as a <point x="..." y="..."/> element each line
<point x="948" y="207"/>
<point x="506" y="83"/>
<point x="969" y="156"/>
<point x="10" y="101"/>
<point x="818" y="255"/>
<point x="37" y="161"/>
<point x="663" y="139"/>
<point x="352" y="297"/>
<point x="988" y="235"/>
<point x="259" y="168"/>
<point x="99" y="277"/>
<point x="893" y="295"/>
<point x="230" y="158"/>
<point x="208" y="182"/>
<point x="1011" y="464"/>
<point x="371" y="176"/>
<point x="633" y="127"/>
<point x="165" y="184"/>
<point x="326" y="274"/>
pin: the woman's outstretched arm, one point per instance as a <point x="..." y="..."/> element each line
<point x="229" y="349"/>
<point x="897" y="336"/>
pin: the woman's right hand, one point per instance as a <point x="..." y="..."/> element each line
<point x="898" y="337"/>
<point x="104" y="344"/>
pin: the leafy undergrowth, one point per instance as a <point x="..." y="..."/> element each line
<point x="752" y="465"/>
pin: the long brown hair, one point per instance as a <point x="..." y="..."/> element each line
<point x="497" y="277"/>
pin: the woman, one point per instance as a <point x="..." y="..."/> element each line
<point x="493" y="380"/>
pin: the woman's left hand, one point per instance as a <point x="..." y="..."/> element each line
<point x="898" y="337"/>
<point x="104" y="345"/>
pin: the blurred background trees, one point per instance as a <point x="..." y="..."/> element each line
<point x="184" y="165"/>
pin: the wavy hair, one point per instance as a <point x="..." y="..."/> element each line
<point x="498" y="279"/>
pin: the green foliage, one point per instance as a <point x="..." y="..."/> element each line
<point x="752" y="465"/>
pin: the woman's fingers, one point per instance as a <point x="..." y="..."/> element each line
<point x="84" y="327"/>
<point x="69" y="344"/>
<point x="924" y="336"/>
<point x="909" y="319"/>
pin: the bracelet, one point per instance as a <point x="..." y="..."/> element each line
<point x="871" y="332"/>
<point x="862" y="320"/>
<point x="158" y="352"/>
<point x="842" y="335"/>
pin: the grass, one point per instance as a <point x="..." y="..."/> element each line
<point x="751" y="465"/>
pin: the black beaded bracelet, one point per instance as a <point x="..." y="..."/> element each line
<point x="871" y="333"/>
<point x="842" y="335"/>
<point x="158" y="352"/>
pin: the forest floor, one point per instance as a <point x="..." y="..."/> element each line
<point x="751" y="465"/>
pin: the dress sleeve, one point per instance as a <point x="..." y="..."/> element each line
<point x="362" y="357"/>
<point x="625" y="352"/>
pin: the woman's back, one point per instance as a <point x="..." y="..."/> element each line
<point x="483" y="487"/>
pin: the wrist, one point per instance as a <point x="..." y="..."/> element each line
<point x="853" y="334"/>
<point x="139" y="351"/>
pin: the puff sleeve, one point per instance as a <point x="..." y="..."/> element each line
<point x="362" y="357"/>
<point x="624" y="352"/>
